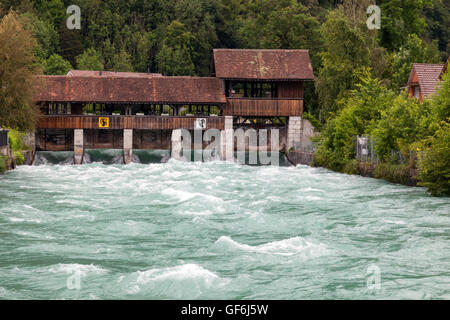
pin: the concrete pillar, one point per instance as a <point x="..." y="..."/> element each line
<point x="29" y="140"/>
<point x="78" y="146"/>
<point x="127" y="145"/>
<point x="227" y="140"/>
<point x="294" y="134"/>
<point x="177" y="145"/>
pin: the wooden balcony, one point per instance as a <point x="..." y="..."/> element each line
<point x="262" y="107"/>
<point x="128" y="122"/>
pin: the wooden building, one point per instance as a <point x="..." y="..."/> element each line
<point x="101" y="109"/>
<point x="423" y="80"/>
<point x="264" y="83"/>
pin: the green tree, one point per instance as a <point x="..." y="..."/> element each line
<point x="348" y="45"/>
<point x="17" y="68"/>
<point x="434" y="164"/>
<point x="415" y="50"/>
<point x="122" y="62"/>
<point x="90" y="59"/>
<point x="70" y="43"/>
<point x="56" y="65"/>
<point x="404" y="122"/>
<point x="45" y="34"/>
<point x="175" y="56"/>
<point x="400" y="18"/>
<point x="359" y="114"/>
<point x="440" y="102"/>
<point x="437" y="18"/>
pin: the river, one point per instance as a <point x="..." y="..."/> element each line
<point x="217" y="230"/>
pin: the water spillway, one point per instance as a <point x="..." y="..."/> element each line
<point x="115" y="156"/>
<point x="216" y="230"/>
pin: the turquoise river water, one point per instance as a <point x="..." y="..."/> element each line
<point x="217" y="230"/>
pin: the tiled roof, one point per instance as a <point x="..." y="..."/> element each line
<point x="427" y="77"/>
<point x="254" y="64"/>
<point x="130" y="89"/>
<point x="88" y="73"/>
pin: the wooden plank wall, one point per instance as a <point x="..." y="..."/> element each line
<point x="290" y="89"/>
<point x="263" y="107"/>
<point x="128" y="122"/>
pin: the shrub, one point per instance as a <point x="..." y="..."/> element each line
<point x="434" y="162"/>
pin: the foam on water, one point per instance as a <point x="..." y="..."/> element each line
<point x="215" y="230"/>
<point x="186" y="281"/>
<point x="287" y="247"/>
<point x="75" y="268"/>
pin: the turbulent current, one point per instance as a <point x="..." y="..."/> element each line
<point x="217" y="230"/>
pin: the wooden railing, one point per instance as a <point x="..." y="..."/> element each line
<point x="128" y="122"/>
<point x="263" y="107"/>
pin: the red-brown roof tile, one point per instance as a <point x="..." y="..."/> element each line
<point x="254" y="64"/>
<point x="427" y="76"/>
<point x="89" y="73"/>
<point x="130" y="89"/>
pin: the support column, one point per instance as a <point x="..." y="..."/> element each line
<point x="29" y="140"/>
<point x="78" y="146"/>
<point x="294" y="134"/>
<point x="127" y="145"/>
<point x="227" y="140"/>
<point x="177" y="145"/>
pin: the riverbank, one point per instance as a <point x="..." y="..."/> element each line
<point x="395" y="173"/>
<point x="7" y="161"/>
<point x="402" y="174"/>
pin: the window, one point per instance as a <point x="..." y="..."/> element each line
<point x="417" y="92"/>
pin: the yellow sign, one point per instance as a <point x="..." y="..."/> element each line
<point x="103" y="122"/>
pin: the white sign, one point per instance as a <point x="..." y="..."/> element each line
<point x="200" y="123"/>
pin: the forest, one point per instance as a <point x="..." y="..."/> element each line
<point x="360" y="73"/>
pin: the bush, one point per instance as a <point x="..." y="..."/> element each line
<point x="3" y="164"/>
<point x="396" y="173"/>
<point x="359" y="116"/>
<point x="17" y="146"/>
<point x="434" y="162"/>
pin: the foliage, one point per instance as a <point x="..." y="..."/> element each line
<point x="400" y="18"/>
<point x="395" y="173"/>
<point x="121" y="62"/>
<point x="440" y="104"/>
<point x="90" y="60"/>
<point x="400" y="62"/>
<point x="359" y="114"/>
<point x="404" y="122"/>
<point x="17" y="145"/>
<point x="348" y="45"/>
<point x="315" y="123"/>
<point x="434" y="164"/>
<point x="17" y="67"/>
<point x="3" y="160"/>
<point x="56" y="65"/>
<point x="177" y="52"/>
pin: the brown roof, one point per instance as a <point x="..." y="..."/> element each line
<point x="263" y="64"/>
<point x="132" y="89"/>
<point x="427" y="77"/>
<point x="89" y="73"/>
